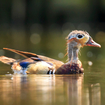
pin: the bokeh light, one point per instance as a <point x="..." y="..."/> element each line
<point x="89" y="54"/>
<point x="61" y="55"/>
<point x="35" y="38"/>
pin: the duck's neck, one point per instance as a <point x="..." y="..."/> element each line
<point x="73" y="52"/>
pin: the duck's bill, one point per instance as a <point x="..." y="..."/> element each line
<point x="91" y="42"/>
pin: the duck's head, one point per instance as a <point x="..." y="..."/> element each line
<point x="77" y="39"/>
<point x="81" y="38"/>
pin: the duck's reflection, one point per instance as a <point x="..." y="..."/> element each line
<point x="48" y="89"/>
<point x="74" y="89"/>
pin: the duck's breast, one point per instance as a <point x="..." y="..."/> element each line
<point x="69" y="69"/>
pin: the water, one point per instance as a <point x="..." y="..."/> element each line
<point x="37" y="89"/>
<point x="79" y="89"/>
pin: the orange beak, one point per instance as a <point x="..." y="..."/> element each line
<point x="91" y="42"/>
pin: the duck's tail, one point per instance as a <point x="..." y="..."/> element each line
<point x="7" y="60"/>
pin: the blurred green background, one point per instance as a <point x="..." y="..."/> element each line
<point x="40" y="26"/>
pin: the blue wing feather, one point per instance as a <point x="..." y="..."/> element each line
<point x="24" y="64"/>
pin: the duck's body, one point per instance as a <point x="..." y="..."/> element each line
<point x="29" y="65"/>
<point x="75" y="40"/>
<point x="75" y="68"/>
<point x="41" y="68"/>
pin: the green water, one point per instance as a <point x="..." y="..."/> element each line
<point x="79" y="89"/>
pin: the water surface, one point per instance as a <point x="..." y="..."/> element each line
<point x="79" y="89"/>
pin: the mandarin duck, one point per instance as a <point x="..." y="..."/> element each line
<point x="75" y="40"/>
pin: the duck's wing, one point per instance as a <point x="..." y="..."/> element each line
<point x="22" y="53"/>
<point x="7" y="60"/>
<point x="57" y="63"/>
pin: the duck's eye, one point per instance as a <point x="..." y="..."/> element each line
<point x="80" y="36"/>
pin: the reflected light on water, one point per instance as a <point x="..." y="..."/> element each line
<point x="90" y="63"/>
<point x="89" y="54"/>
<point x="60" y="55"/>
<point x="48" y="89"/>
<point x="35" y="38"/>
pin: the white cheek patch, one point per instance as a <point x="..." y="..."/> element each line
<point x="70" y="37"/>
